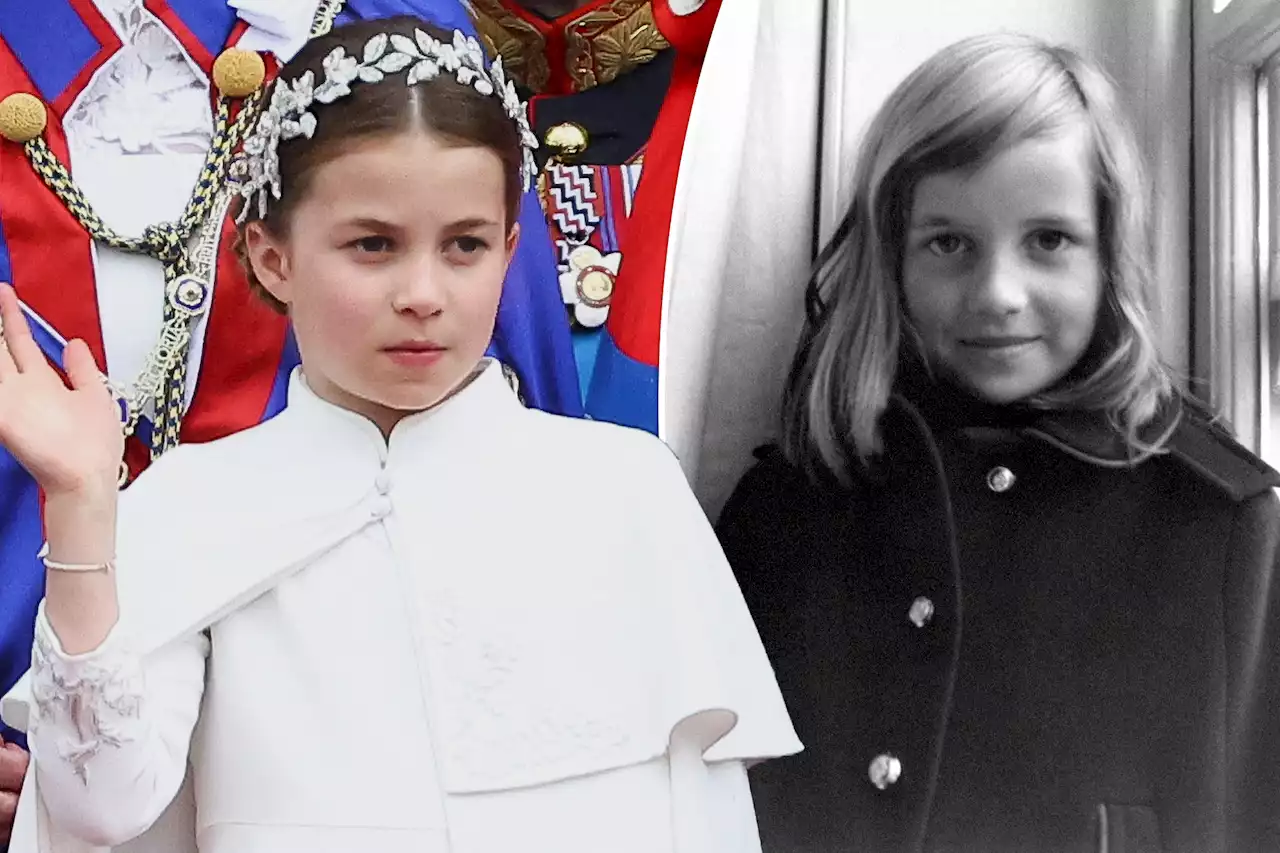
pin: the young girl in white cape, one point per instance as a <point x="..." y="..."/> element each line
<point x="389" y="619"/>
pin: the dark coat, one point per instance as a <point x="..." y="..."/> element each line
<point x="1083" y="656"/>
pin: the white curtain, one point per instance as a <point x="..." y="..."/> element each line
<point x="770" y="247"/>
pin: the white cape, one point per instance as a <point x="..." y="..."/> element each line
<point x="209" y="528"/>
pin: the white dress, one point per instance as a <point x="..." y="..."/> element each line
<point x="407" y="646"/>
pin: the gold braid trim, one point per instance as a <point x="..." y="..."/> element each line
<point x="168" y="242"/>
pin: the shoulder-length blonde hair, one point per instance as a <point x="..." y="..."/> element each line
<point x="962" y="107"/>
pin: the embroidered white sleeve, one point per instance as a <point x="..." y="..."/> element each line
<point x="110" y="732"/>
<point x="88" y="700"/>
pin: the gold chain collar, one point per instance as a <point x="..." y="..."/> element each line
<point x="188" y="271"/>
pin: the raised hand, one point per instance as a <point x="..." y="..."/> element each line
<point x="68" y="439"/>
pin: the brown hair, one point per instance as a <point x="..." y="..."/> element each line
<point x="449" y="110"/>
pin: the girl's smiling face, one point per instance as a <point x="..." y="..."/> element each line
<point x="1002" y="276"/>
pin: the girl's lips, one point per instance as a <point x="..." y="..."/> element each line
<point x="415" y="346"/>
<point x="415" y="355"/>
<point x="999" y="342"/>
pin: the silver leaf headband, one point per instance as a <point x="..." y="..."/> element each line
<point x="288" y="115"/>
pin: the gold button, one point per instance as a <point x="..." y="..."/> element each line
<point x="567" y="140"/>
<point x="22" y="117"/>
<point x="1000" y="479"/>
<point x="239" y="73"/>
<point x="921" y="612"/>
<point x="885" y="770"/>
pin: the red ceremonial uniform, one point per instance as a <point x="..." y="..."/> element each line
<point x="625" y="71"/>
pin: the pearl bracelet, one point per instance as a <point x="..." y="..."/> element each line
<point x="55" y="566"/>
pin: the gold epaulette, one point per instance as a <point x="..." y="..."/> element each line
<point x="601" y="43"/>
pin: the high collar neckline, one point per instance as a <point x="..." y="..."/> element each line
<point x="471" y="413"/>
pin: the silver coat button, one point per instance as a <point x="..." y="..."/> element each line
<point x="921" y="612"/>
<point x="1000" y="479"/>
<point x="381" y="509"/>
<point x="885" y="770"/>
<point x="382" y="482"/>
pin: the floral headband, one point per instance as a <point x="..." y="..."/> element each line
<point x="288" y="116"/>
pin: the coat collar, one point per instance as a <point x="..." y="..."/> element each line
<point x="1183" y="430"/>
<point x="1091" y="437"/>
<point x="1087" y="435"/>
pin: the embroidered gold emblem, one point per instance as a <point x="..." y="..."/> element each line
<point x="601" y="43"/>
<point x="609" y="41"/>
<point x="523" y="49"/>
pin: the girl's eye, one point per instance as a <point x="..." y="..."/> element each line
<point x="470" y="245"/>
<point x="946" y="244"/>
<point x="465" y="249"/>
<point x="1049" y="240"/>
<point x="371" y="245"/>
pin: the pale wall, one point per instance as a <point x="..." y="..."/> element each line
<point x="1143" y="43"/>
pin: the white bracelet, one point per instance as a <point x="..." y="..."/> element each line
<point x="55" y="566"/>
